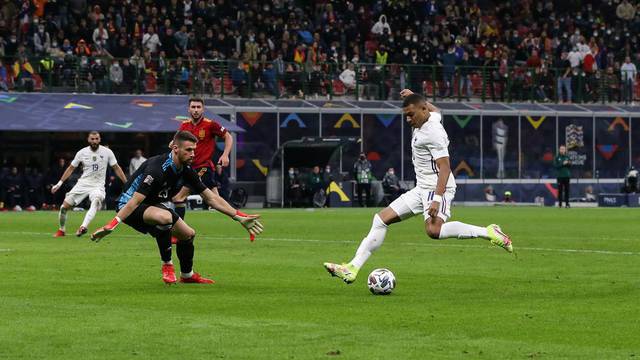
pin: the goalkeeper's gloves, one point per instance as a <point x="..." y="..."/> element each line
<point x="105" y="230"/>
<point x="249" y="222"/>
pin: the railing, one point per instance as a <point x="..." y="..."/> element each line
<point x="307" y="80"/>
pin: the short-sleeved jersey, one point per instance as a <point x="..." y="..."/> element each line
<point x="206" y="131"/>
<point x="429" y="143"/>
<point x="94" y="165"/>
<point x="159" y="180"/>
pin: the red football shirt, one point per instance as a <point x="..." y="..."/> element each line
<point x="206" y="131"/>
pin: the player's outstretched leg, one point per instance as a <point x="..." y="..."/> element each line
<point x="185" y="250"/>
<point x="96" y="204"/>
<point x="62" y="219"/>
<point x="437" y="229"/>
<point x="348" y="272"/>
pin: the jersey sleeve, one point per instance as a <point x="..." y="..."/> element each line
<point x="192" y="179"/>
<point x="217" y="129"/>
<point x="112" y="158"/>
<point x="438" y="144"/>
<point x="183" y="126"/>
<point x="77" y="159"/>
<point x="149" y="180"/>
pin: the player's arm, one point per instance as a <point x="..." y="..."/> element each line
<point x="124" y="213"/>
<point x="228" y="144"/>
<point x="432" y="108"/>
<point x="119" y="173"/>
<point x="444" y="171"/>
<point x="67" y="172"/>
<point x="249" y="222"/>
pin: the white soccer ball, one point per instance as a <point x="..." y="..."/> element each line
<point x="381" y="282"/>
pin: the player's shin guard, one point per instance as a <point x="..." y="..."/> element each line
<point x="62" y="217"/>
<point x="370" y="243"/>
<point x="96" y="204"/>
<point x="181" y="208"/>
<point x="163" y="239"/>
<point x="456" y="229"/>
<point x="185" y="251"/>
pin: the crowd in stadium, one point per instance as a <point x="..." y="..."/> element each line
<point x="530" y="50"/>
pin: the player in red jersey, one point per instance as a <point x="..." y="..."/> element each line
<point x="206" y="131"/>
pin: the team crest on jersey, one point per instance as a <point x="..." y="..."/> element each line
<point x="95" y="158"/>
<point x="148" y="180"/>
<point x="201" y="134"/>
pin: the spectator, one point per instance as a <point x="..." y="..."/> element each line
<point x="4" y="78"/>
<point x="348" y="77"/>
<point x="136" y="161"/>
<point x="391" y="184"/>
<point x="100" y="36"/>
<point x="563" y="172"/>
<point x="464" y="72"/>
<point x="14" y="183"/>
<point x="34" y="194"/>
<point x="314" y="183"/>
<point x="116" y="76"/>
<point x="564" y="78"/>
<point x="41" y="41"/>
<point x="449" y="61"/>
<point x="294" y="188"/>
<point x="628" y="75"/>
<point x="626" y="11"/>
<point x="362" y="174"/>
<point x="151" y="41"/>
<point x="508" y="198"/>
<point x="612" y="82"/>
<point x="380" y="26"/>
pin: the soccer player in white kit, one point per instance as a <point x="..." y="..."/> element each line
<point x="94" y="159"/>
<point x="431" y="197"/>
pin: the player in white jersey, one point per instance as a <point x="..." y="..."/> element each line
<point x="432" y="196"/>
<point x="94" y="159"/>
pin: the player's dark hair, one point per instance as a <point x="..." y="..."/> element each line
<point x="413" y="99"/>
<point x="93" y="132"/>
<point x="182" y="136"/>
<point x="196" y="99"/>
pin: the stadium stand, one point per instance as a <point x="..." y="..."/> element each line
<point x="526" y="51"/>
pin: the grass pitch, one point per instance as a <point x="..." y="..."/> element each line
<point x="572" y="292"/>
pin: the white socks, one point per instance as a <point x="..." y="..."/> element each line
<point x="370" y="243"/>
<point x="456" y="229"/>
<point x="95" y="206"/>
<point x="62" y="217"/>
<point x="186" y="275"/>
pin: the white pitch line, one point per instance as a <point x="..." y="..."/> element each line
<point x="5" y="250"/>
<point x="426" y="243"/>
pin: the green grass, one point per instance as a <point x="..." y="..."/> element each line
<point x="572" y="292"/>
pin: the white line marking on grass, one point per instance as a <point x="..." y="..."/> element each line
<point x="428" y="243"/>
<point x="5" y="250"/>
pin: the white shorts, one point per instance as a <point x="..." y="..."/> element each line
<point x="80" y="192"/>
<point x="418" y="200"/>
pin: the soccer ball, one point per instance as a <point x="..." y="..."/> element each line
<point x="381" y="282"/>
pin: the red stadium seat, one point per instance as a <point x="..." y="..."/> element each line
<point x="150" y="84"/>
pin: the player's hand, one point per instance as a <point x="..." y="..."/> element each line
<point x="405" y="92"/>
<point x="56" y="187"/>
<point x="101" y="233"/>
<point x="224" y="161"/>
<point x="105" y="230"/>
<point x="249" y="222"/>
<point x="433" y="209"/>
